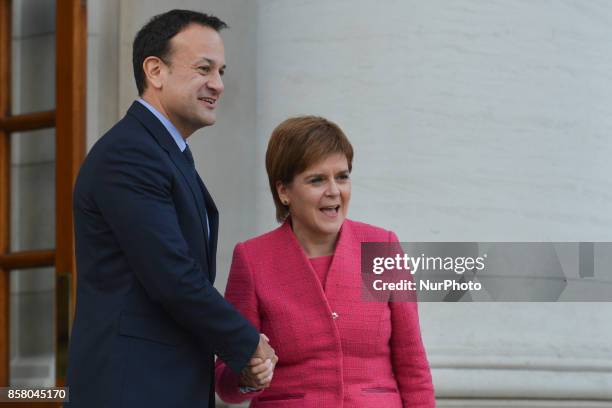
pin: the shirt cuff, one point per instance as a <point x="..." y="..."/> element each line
<point x="246" y="390"/>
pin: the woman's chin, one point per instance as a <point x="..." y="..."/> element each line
<point x="331" y="226"/>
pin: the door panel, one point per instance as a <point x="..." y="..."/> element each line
<point x="37" y="174"/>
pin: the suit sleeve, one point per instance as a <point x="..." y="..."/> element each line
<point x="134" y="195"/>
<point x="408" y="356"/>
<point x="240" y="292"/>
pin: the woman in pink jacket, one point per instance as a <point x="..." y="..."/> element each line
<point x="300" y="284"/>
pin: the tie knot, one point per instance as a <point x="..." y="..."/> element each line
<point x="189" y="156"/>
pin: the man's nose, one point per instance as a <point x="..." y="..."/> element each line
<point x="216" y="83"/>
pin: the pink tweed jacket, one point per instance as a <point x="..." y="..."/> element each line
<point x="334" y="349"/>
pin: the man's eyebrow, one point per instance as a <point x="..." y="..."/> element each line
<point x="210" y="61"/>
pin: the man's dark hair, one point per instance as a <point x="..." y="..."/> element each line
<point x="153" y="40"/>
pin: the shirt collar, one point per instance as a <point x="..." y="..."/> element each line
<point x="176" y="135"/>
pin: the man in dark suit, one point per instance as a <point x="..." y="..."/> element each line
<point x="148" y="319"/>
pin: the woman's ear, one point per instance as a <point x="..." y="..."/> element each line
<point x="281" y="190"/>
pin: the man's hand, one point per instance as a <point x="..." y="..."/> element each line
<point x="264" y="350"/>
<point x="258" y="373"/>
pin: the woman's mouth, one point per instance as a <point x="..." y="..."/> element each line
<point x="330" y="211"/>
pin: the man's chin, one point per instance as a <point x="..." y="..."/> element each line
<point x="209" y="121"/>
<point x="206" y="123"/>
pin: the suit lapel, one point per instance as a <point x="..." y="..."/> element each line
<point x="165" y="140"/>
<point x="213" y="219"/>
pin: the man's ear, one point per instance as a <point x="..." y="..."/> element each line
<point x="155" y="71"/>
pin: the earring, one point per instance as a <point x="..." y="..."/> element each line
<point x="285" y="202"/>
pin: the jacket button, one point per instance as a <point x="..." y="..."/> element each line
<point x="334" y="315"/>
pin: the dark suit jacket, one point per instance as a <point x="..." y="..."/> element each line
<point x="148" y="319"/>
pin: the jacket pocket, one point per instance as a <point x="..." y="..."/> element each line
<point x="281" y="397"/>
<point x="293" y="400"/>
<point x="379" y="390"/>
<point x="388" y="397"/>
<point x="150" y="328"/>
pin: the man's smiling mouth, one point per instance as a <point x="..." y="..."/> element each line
<point x="210" y="101"/>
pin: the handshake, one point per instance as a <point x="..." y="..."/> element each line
<point x="258" y="373"/>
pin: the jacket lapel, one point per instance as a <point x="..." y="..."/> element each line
<point x="213" y="219"/>
<point x="165" y="140"/>
<point x="342" y="286"/>
<point x="339" y="277"/>
<point x="300" y="269"/>
<point x="344" y="277"/>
